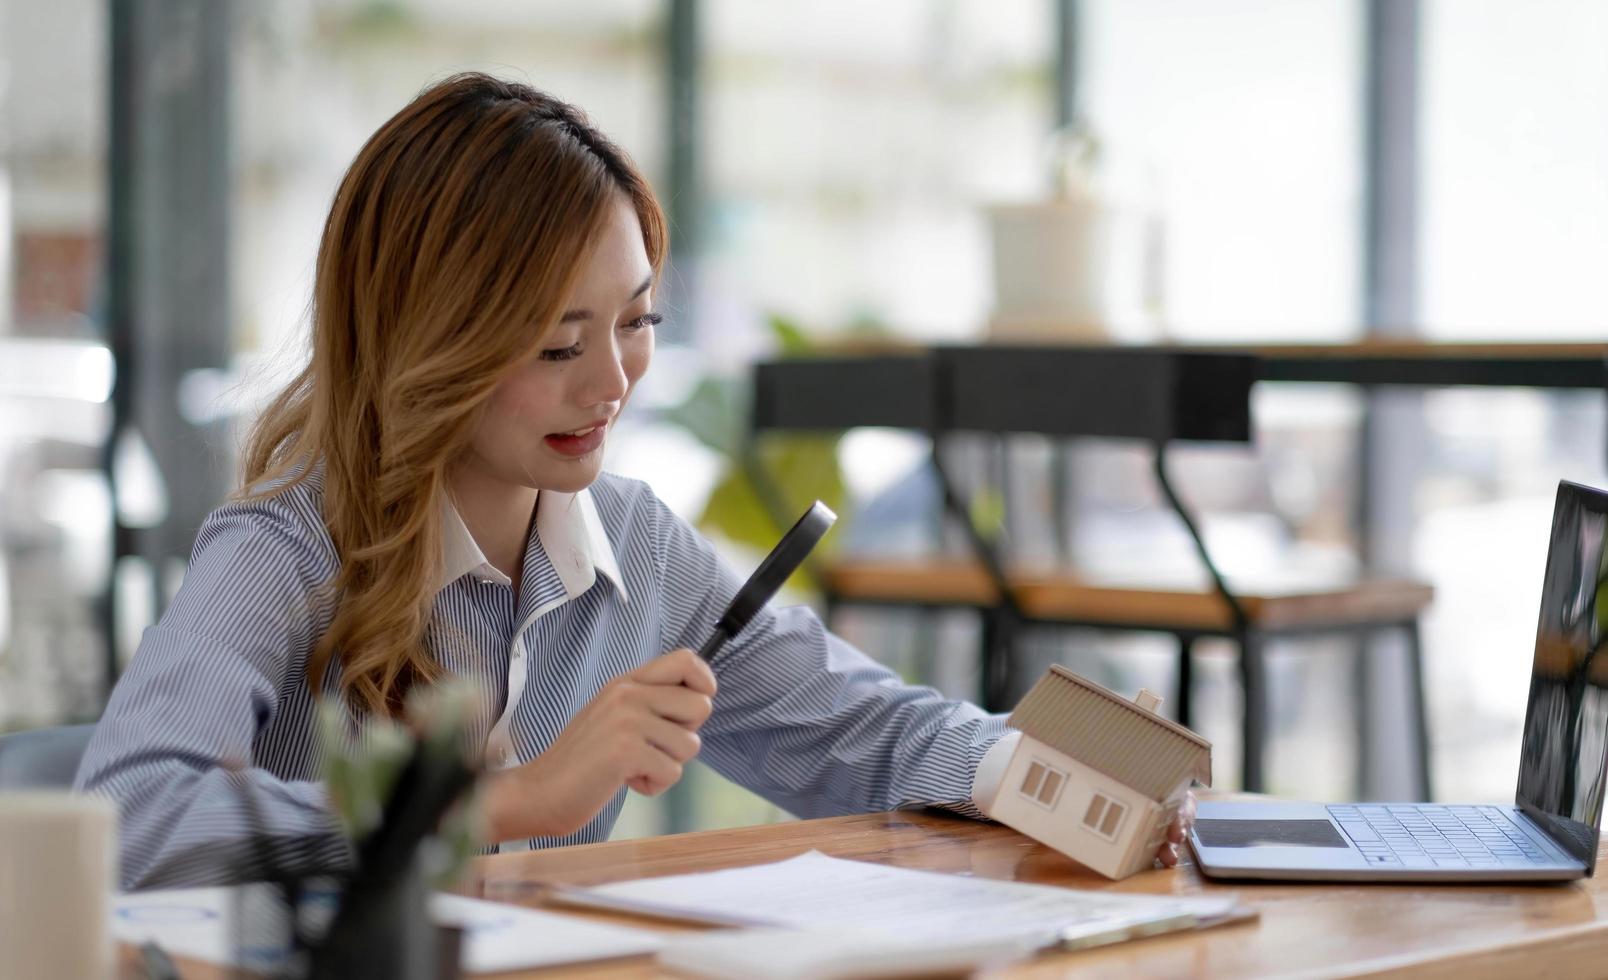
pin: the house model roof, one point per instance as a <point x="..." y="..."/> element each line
<point x="1111" y="734"/>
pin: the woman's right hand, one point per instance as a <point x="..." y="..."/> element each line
<point x="639" y="731"/>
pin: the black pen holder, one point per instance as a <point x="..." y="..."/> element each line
<point x="316" y="928"/>
<point x="382" y="929"/>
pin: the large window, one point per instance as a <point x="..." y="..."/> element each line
<point x="851" y="148"/>
<point x="1513" y="240"/>
<point x="55" y="372"/>
<point x="1515" y="204"/>
<point x="1239" y="122"/>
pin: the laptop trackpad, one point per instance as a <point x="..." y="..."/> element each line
<point x="1268" y="833"/>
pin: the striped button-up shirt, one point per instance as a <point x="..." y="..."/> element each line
<point x="208" y="743"/>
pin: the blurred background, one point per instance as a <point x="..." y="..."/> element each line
<point x="1280" y="171"/>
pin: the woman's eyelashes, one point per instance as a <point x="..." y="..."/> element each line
<point x="630" y="326"/>
<point x="562" y="353"/>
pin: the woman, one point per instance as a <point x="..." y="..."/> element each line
<point x="426" y="498"/>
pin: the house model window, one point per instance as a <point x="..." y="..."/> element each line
<point x="1104" y="816"/>
<point x="1043" y="784"/>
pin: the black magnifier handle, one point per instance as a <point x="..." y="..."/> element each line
<point x="788" y="554"/>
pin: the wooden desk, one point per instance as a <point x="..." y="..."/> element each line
<point x="1462" y="932"/>
<point x="1311" y="930"/>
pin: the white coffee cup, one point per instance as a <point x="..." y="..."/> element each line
<point x="58" y="859"/>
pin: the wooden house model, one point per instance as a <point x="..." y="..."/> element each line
<point x="1096" y="776"/>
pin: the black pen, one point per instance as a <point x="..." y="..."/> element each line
<point x="788" y="554"/>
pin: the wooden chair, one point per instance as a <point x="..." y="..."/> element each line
<point x="1159" y="397"/>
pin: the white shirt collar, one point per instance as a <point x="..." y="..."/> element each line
<point x="571" y="533"/>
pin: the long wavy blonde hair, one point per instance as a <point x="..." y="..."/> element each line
<point x="453" y="242"/>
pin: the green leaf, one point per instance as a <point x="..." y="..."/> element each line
<point x="988" y="512"/>
<point x="802" y="469"/>
<point x="792" y="339"/>
<point x="735" y="511"/>
<point x="714" y="413"/>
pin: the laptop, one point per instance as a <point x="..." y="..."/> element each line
<point x="1550" y="831"/>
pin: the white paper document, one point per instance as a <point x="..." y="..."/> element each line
<point x="200" y="923"/>
<point x="795" y="954"/>
<point x="814" y="891"/>
<point x="500" y="937"/>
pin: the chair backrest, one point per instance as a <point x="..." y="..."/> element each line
<point x="827" y="393"/>
<point x="46" y="758"/>
<point x="1149" y="394"/>
<point x="1156" y="395"/>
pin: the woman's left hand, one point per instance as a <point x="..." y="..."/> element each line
<point x="1168" y="855"/>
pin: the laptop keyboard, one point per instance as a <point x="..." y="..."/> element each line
<point x="1437" y="836"/>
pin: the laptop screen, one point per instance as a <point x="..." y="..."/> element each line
<point x="1561" y="764"/>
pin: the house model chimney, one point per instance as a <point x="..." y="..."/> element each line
<point x="1148" y="700"/>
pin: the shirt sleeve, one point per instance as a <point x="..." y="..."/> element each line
<point x="985" y="787"/>
<point x="806" y="720"/>
<point x="174" y="746"/>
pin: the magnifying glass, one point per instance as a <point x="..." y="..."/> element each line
<point x="788" y="554"/>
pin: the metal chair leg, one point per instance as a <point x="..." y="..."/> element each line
<point x="999" y="698"/>
<point x="1361" y="711"/>
<point x="1186" y="680"/>
<point x="998" y="656"/>
<point x="925" y="669"/>
<point x="988" y="627"/>
<point x="1254" y="716"/>
<point x="1415" y="669"/>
